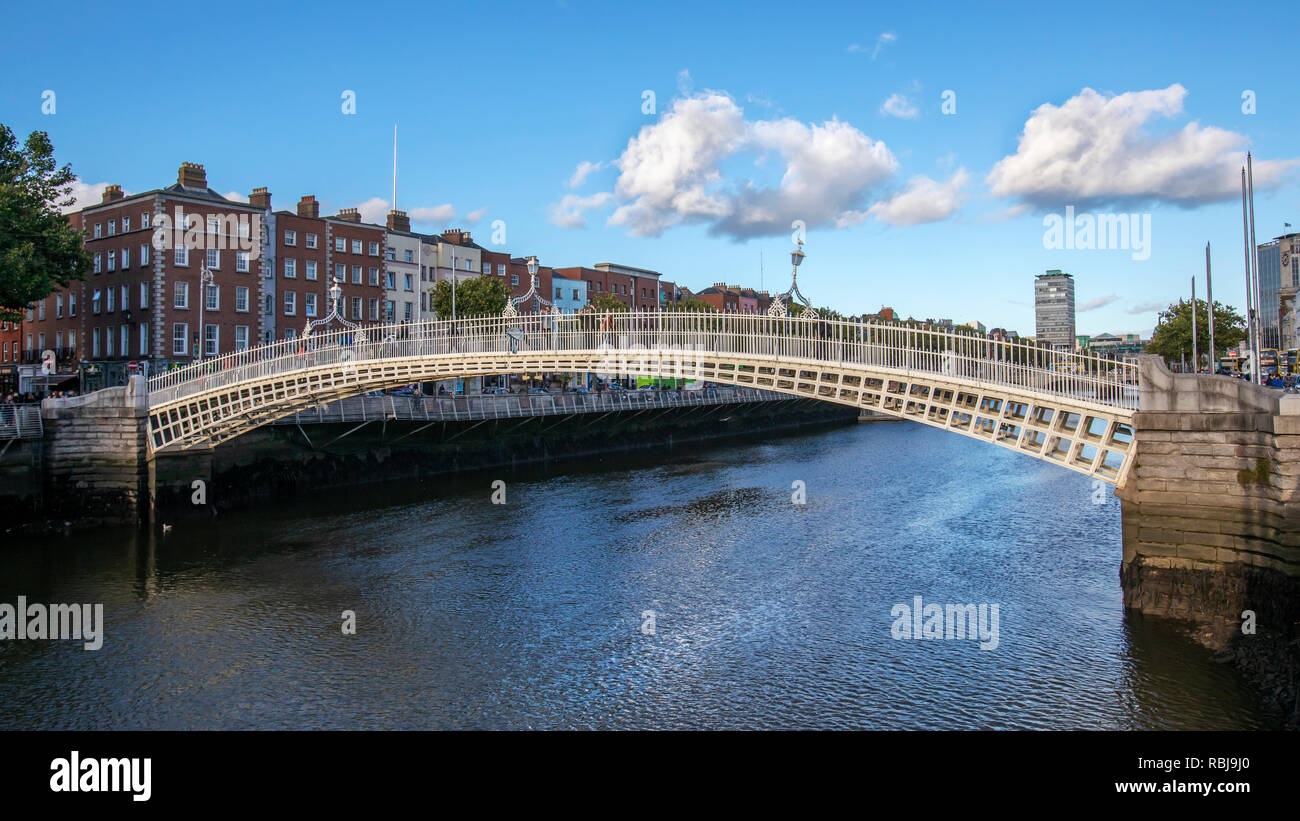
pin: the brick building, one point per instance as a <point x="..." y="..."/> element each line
<point x="309" y="253"/>
<point x="637" y="288"/>
<point x="141" y="299"/>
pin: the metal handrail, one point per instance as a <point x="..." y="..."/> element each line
<point x="488" y="406"/>
<point x="629" y="336"/>
<point x="21" y="422"/>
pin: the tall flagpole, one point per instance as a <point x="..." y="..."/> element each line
<point x="1254" y="263"/>
<point x="1209" y="300"/>
<point x="394" y="166"/>
<point x="1196" y="355"/>
<point x="1250" y="303"/>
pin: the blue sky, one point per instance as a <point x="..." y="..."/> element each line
<point x="762" y="116"/>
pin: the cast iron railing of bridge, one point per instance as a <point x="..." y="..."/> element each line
<point x="905" y="350"/>
<point x="508" y="406"/>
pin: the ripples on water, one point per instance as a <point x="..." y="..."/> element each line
<point x="529" y="615"/>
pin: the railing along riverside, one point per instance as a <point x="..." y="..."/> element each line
<point x="888" y="348"/>
<point x="21" y="422"/>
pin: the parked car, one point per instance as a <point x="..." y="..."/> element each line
<point x="647" y="387"/>
<point x="496" y="391"/>
<point x="542" y="391"/>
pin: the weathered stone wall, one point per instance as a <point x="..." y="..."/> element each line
<point x="1211" y="519"/>
<point x="21" y="472"/>
<point x="96" y="467"/>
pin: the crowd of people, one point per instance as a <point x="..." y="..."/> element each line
<point x="32" y="397"/>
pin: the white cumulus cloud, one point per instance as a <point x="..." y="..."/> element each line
<point x="1095" y="148"/>
<point x="671" y="173"/>
<point x="922" y="200"/>
<point x="567" y="213"/>
<point x="85" y="194"/>
<point x="899" y="106"/>
<point x="374" y="210"/>
<point x="582" y="171"/>
<point x="432" y="213"/>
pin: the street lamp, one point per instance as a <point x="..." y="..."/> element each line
<point x="777" y="308"/>
<point x="336" y="296"/>
<point x="533" y="297"/>
<point x="205" y="279"/>
<point x="532" y="280"/>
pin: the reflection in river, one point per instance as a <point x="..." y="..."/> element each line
<point x="682" y="589"/>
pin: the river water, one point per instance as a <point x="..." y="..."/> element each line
<point x="679" y="589"/>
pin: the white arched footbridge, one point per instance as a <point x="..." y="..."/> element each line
<point x="1071" y="409"/>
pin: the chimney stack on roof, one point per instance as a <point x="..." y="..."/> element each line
<point x="398" y="221"/>
<point x="260" y="198"/>
<point x="308" y="207"/>
<point x="113" y="192"/>
<point x="192" y="175"/>
<point x="348" y="215"/>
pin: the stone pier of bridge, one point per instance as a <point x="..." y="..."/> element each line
<point x="97" y="469"/>
<point x="1211" y="518"/>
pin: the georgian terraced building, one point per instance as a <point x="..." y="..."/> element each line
<point x="143" y="301"/>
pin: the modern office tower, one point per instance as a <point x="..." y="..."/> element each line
<point x="1054" y="309"/>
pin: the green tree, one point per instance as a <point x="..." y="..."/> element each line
<point x="605" y="302"/>
<point x="1173" y="336"/>
<point x="39" y="250"/>
<point x="479" y="296"/>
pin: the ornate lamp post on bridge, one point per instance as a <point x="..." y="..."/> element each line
<point x="777" y="308"/>
<point x="336" y="295"/>
<point x="533" y="299"/>
<point x="205" y="280"/>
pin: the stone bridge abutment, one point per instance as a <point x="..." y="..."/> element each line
<point x="1211" y="520"/>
